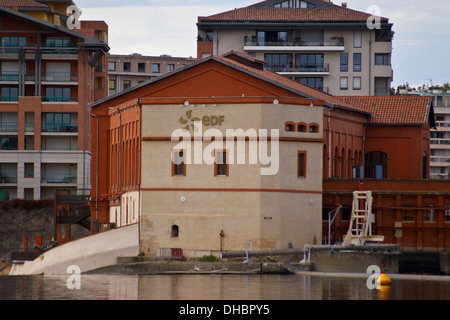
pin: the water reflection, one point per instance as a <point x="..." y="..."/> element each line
<point x="216" y="287"/>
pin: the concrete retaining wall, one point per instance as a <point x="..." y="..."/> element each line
<point x="89" y="253"/>
<point x="326" y="261"/>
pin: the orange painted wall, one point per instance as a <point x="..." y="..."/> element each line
<point x="404" y="146"/>
<point x="343" y="136"/>
<point x="401" y="207"/>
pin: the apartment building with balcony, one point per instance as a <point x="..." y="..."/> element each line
<point x="440" y="135"/>
<point x="315" y="42"/>
<point x="48" y="75"/>
<point x="126" y="71"/>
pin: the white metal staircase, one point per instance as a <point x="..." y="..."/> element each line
<point x="360" y="229"/>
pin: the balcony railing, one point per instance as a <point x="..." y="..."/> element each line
<point x="29" y="126"/>
<point x="10" y="126"/>
<point x="440" y="141"/>
<point x="59" y="127"/>
<point x="440" y="159"/>
<point x="57" y="76"/>
<point x="63" y="49"/>
<point x="303" y="42"/>
<point x="6" y="178"/>
<point x="443" y="124"/>
<point x="60" y="149"/>
<point x="302" y="68"/>
<point x="10" y="98"/>
<point x="70" y="48"/>
<point x="59" y="99"/>
<point x="53" y="76"/>
<point x="58" y="178"/>
<point x="9" y="76"/>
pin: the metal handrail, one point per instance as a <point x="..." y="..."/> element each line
<point x="301" y="42"/>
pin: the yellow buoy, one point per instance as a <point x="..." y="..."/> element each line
<point x="384" y="280"/>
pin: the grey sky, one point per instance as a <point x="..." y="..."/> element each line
<point x="421" y="43"/>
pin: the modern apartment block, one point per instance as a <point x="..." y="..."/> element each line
<point x="440" y="136"/>
<point x="329" y="47"/>
<point x="126" y="71"/>
<point x="48" y="76"/>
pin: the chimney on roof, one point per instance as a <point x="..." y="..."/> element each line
<point x="344" y="4"/>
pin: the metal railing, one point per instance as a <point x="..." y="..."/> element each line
<point x="59" y="76"/>
<point x="29" y="126"/>
<point x="10" y="98"/>
<point x="324" y="67"/>
<point x="440" y="141"/>
<point x="7" y="178"/>
<point x="58" y="178"/>
<point x="300" y="42"/>
<point x="59" y="127"/>
<point x="8" y="126"/>
<point x="59" y="99"/>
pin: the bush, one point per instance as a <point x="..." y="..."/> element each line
<point x="208" y="259"/>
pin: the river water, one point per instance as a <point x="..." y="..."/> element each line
<point x="216" y="287"/>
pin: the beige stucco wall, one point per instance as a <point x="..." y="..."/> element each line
<point x="271" y="210"/>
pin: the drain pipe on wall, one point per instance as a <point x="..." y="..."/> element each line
<point x="329" y="143"/>
<point x="96" y="170"/>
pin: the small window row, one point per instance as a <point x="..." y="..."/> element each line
<point x="301" y="127"/>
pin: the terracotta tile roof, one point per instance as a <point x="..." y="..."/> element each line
<point x="396" y="110"/>
<point x="296" y="86"/>
<point x="288" y="15"/>
<point x="22" y="3"/>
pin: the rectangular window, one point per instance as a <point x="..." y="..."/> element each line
<point x="127" y="67"/>
<point x="428" y="214"/>
<point x="221" y="163"/>
<point x="13" y="42"/>
<point x="311" y="62"/>
<point x="356" y="83"/>
<point x="357" y="62"/>
<point x="29" y="170"/>
<point x="156" y="68"/>
<point x="58" y="42"/>
<point x="57" y="94"/>
<point x="447" y="213"/>
<point x="112" y="84"/>
<point x="381" y="59"/>
<point x="126" y="84"/>
<point x="313" y="82"/>
<point x="10" y="94"/>
<point x="276" y="62"/>
<point x="59" y="122"/>
<point x="111" y="66"/>
<point x="301" y="164"/>
<point x="209" y="36"/>
<point x="141" y="67"/>
<point x="357" y="39"/>
<point x="178" y="163"/>
<point x="170" y="67"/>
<point x="344" y="62"/>
<point x="408" y="214"/>
<point x="344" y="83"/>
<point x="8" y="143"/>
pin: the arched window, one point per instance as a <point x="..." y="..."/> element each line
<point x="289" y="126"/>
<point x="336" y="162"/>
<point x="313" y="127"/>
<point x="174" y="231"/>
<point x="375" y="165"/>
<point x="302" y="127"/>
<point x="424" y="165"/>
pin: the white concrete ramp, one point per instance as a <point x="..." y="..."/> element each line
<point x="89" y="253"/>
